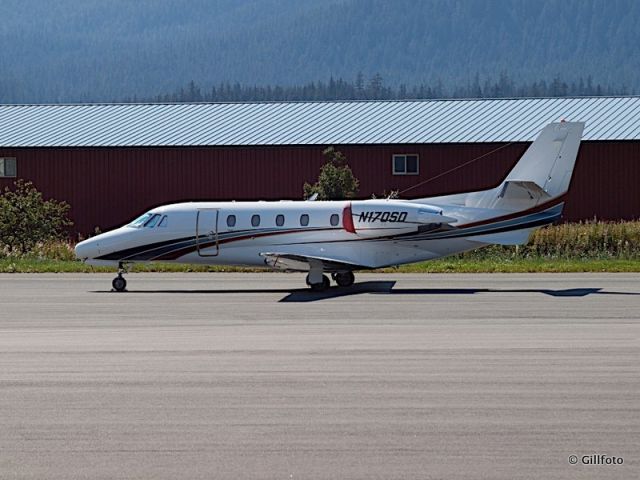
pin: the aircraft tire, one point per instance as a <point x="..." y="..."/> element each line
<point x="322" y="286"/>
<point x="345" y="279"/>
<point x="119" y="284"/>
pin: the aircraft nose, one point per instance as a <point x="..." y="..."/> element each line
<point x="87" y="249"/>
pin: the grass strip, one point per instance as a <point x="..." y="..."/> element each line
<point x="453" y="265"/>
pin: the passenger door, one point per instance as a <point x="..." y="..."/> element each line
<point x="207" y="232"/>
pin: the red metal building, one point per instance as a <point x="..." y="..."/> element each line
<point x="87" y="156"/>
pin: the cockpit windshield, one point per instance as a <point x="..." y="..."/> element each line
<point x="141" y="220"/>
<point x="149" y="220"/>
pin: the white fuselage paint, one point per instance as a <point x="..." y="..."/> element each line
<point x="371" y="242"/>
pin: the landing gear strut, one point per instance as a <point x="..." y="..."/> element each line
<point x="344" y="279"/>
<point x="119" y="284"/>
<point x="316" y="280"/>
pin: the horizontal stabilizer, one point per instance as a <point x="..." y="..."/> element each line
<point x="519" y="189"/>
<point x="520" y="195"/>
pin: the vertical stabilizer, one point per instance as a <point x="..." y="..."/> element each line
<point x="550" y="159"/>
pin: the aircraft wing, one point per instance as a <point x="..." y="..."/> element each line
<point x="302" y="263"/>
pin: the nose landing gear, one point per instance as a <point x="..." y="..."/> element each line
<point x="119" y="284"/>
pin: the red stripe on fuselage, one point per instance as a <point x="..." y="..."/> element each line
<point x="347" y="219"/>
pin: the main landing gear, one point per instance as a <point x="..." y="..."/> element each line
<point x="344" y="279"/>
<point x="319" y="282"/>
<point x="320" y="286"/>
<point x="119" y="284"/>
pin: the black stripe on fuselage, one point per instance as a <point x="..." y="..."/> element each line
<point x="128" y="252"/>
<point x="175" y="248"/>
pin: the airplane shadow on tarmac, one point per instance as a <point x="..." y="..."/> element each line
<point x="387" y="288"/>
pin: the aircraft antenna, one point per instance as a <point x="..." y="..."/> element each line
<point x="473" y="160"/>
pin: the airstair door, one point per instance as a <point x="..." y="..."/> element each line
<point x="207" y="232"/>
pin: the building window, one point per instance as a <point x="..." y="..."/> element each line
<point x="280" y="220"/>
<point x="7" y="167"/>
<point x="304" y="219"/>
<point x="335" y="219"/>
<point x="255" y="220"/>
<point x="405" y="165"/>
<point x="231" y="221"/>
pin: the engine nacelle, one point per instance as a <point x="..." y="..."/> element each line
<point x="381" y="218"/>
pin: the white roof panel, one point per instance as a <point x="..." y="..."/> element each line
<point x="313" y="123"/>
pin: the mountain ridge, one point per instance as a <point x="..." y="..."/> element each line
<point x="106" y="51"/>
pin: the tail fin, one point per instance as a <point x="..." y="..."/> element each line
<point x="550" y="159"/>
<point x="542" y="173"/>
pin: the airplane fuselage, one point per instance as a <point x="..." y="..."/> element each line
<point x="363" y="234"/>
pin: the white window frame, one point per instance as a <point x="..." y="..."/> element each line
<point x="3" y="167"/>
<point x="405" y="155"/>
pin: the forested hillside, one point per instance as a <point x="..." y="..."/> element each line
<point x="107" y="51"/>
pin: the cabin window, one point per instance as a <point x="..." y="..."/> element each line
<point x="152" y="221"/>
<point x="334" y="220"/>
<point x="7" y="167"/>
<point x="304" y="219"/>
<point x="406" y="165"/>
<point x="231" y="221"/>
<point x="163" y="222"/>
<point x="280" y="220"/>
<point x="255" y="220"/>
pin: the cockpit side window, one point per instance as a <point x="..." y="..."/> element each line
<point x="163" y="223"/>
<point x="152" y="221"/>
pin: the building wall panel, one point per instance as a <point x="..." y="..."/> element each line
<point x="107" y="187"/>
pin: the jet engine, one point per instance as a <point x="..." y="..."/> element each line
<point x="383" y="218"/>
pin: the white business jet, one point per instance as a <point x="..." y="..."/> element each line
<point x="340" y="237"/>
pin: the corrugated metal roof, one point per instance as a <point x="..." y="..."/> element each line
<point x="312" y="123"/>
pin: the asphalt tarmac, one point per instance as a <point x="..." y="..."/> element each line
<point x="250" y="376"/>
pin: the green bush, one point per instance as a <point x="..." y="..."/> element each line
<point x="336" y="180"/>
<point x="27" y="220"/>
